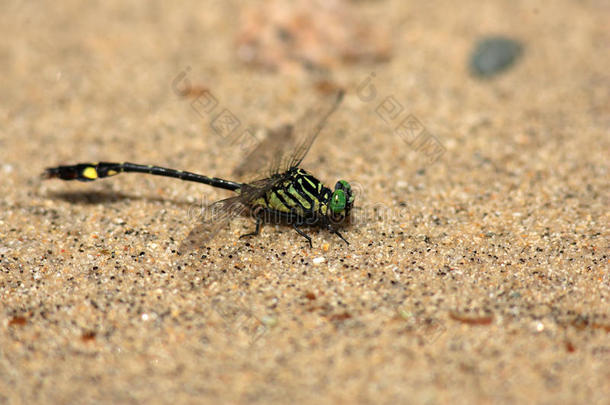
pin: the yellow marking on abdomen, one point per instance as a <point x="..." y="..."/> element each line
<point x="90" y="173"/>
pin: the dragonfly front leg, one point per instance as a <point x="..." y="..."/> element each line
<point x="336" y="232"/>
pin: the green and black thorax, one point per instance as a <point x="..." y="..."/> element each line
<point x="300" y="196"/>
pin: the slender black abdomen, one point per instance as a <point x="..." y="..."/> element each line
<point x="94" y="171"/>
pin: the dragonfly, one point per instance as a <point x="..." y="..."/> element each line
<point x="287" y="194"/>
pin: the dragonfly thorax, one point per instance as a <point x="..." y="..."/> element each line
<point x="298" y="193"/>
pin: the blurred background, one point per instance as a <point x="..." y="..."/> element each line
<point x="484" y="124"/>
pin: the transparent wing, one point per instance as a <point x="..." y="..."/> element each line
<point x="307" y="128"/>
<point x="212" y="219"/>
<point x="256" y="189"/>
<point x="285" y="146"/>
<point x="217" y="215"/>
<point x="266" y="151"/>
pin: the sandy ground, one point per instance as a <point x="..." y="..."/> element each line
<point x="478" y="277"/>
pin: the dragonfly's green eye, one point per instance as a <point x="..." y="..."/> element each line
<point x="344" y="185"/>
<point x="337" y="201"/>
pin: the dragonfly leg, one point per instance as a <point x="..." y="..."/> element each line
<point x="259" y="221"/>
<point x="303" y="234"/>
<point x="257" y="230"/>
<point x="336" y="232"/>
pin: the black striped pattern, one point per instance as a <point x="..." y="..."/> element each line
<point x="301" y="194"/>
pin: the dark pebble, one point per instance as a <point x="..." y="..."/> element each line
<point x="492" y="55"/>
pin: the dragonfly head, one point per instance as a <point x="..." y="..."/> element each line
<point x="341" y="201"/>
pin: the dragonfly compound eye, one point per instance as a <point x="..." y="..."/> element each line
<point x="345" y="186"/>
<point x="337" y="201"/>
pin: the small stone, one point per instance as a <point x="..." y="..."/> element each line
<point x="492" y="55"/>
<point x="268" y="321"/>
<point x="319" y="260"/>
